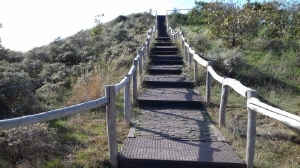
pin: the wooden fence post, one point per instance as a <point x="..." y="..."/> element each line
<point x="182" y="41"/>
<point x="134" y="83"/>
<point x="142" y="54"/>
<point x="148" y="46"/>
<point x="208" y="84"/>
<point x="190" y="56"/>
<point x="145" y="48"/>
<point x="251" y="132"/>
<point x="196" y="73"/>
<point x="111" y="125"/>
<point x="140" y="58"/>
<point x="223" y="103"/>
<point x="185" y="50"/>
<point x="127" y="105"/>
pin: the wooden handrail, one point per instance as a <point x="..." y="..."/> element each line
<point x="253" y="104"/>
<point x="50" y="115"/>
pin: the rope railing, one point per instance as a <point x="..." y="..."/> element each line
<point x="109" y="100"/>
<point x="253" y="104"/>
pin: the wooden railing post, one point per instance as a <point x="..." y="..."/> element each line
<point x="145" y="48"/>
<point x="251" y="132"/>
<point x="196" y="73"/>
<point x="142" y="54"/>
<point x="134" y="83"/>
<point x="223" y="103"/>
<point x="208" y="84"/>
<point x="140" y="59"/>
<point x="185" y="50"/>
<point x="148" y="46"/>
<point x="111" y="125"/>
<point x="182" y="42"/>
<point x="127" y="105"/>
<point x="190" y="55"/>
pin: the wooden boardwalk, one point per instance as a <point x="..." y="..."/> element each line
<point x="173" y="129"/>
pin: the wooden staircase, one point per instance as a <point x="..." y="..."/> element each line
<point x="173" y="129"/>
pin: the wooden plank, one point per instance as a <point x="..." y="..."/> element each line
<point x="200" y="60"/>
<point x="214" y="74"/>
<point x="134" y="83"/>
<point x="132" y="70"/>
<point x="53" y="114"/>
<point x="148" y="45"/>
<point x="292" y="122"/>
<point x="257" y="102"/>
<point x="111" y="125"/>
<point x="140" y="64"/>
<point x="237" y="86"/>
<point x="251" y="131"/>
<point x="208" y="84"/>
<point x="196" y="78"/>
<point x="190" y="55"/>
<point x="223" y="103"/>
<point x="120" y="85"/>
<point x="127" y="102"/>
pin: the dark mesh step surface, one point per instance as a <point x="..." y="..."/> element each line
<point x="193" y="151"/>
<point x="166" y="57"/>
<point x="170" y="94"/>
<point x="165" y="48"/>
<point x="165" y="52"/>
<point x="165" y="67"/>
<point x="175" y="123"/>
<point x="165" y="78"/>
<point x="164" y="44"/>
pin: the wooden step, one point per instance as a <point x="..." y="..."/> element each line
<point x="172" y="81"/>
<point x="165" y="153"/>
<point x="165" y="69"/>
<point x="166" y="60"/>
<point x="164" y="43"/>
<point x="164" y="48"/>
<point x="163" y="38"/>
<point x="170" y="97"/>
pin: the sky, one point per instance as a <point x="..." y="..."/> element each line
<point x="32" y="23"/>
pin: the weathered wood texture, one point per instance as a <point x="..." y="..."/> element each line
<point x="280" y="115"/>
<point x="134" y="82"/>
<point x="251" y="131"/>
<point x="50" y="115"/>
<point x="223" y="103"/>
<point x="208" y="84"/>
<point x="111" y="125"/>
<point x="127" y="102"/>
<point x="196" y="78"/>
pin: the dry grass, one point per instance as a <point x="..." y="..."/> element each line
<point x="89" y="87"/>
<point x="79" y="141"/>
<point x="276" y="144"/>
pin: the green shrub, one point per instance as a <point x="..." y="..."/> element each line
<point x="120" y="18"/>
